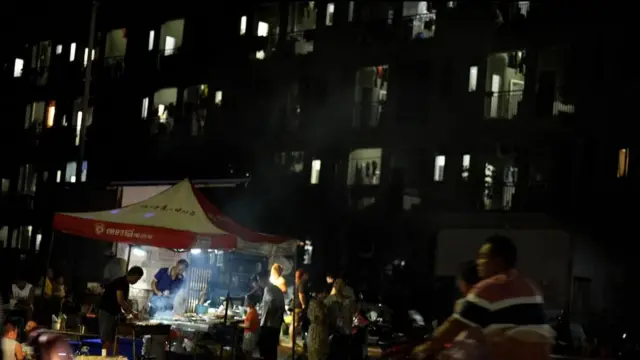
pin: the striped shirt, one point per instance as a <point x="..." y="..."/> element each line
<point x="509" y="309"/>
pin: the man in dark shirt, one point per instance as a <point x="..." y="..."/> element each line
<point x="271" y="320"/>
<point x="113" y="303"/>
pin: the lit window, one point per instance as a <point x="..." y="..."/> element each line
<point x="243" y="25"/>
<point x="58" y="176"/>
<point x="70" y="175"/>
<point x="218" y="98"/>
<point x="145" y="107"/>
<point x="58" y="49"/>
<point x="315" y="171"/>
<point x="38" y="241"/>
<point x="263" y="28"/>
<point x="260" y="55"/>
<point x="331" y="7"/>
<point x="72" y="52"/>
<point x="162" y="112"/>
<point x="18" y="65"/>
<point x="438" y="169"/>
<point x="152" y="37"/>
<point x="365" y="167"/>
<point x="523" y="7"/>
<point x="86" y="55"/>
<point x="473" y="78"/>
<point x="51" y="113"/>
<point x="623" y="162"/>
<point x="351" y="6"/>
<point x="78" y="127"/>
<point x="308" y="252"/>
<point x="466" y="164"/>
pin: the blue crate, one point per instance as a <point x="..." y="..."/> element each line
<point x="125" y="347"/>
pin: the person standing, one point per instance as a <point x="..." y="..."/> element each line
<point x="277" y="279"/>
<point x="318" y="336"/>
<point x="166" y="284"/>
<point x="46" y="284"/>
<point x="255" y="294"/>
<point x="23" y="297"/>
<point x="272" y="318"/>
<point x="114" y="302"/>
<point x="505" y="306"/>
<point x="301" y="302"/>
<point x="340" y="310"/>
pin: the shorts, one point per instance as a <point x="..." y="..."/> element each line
<point x="107" y="326"/>
<point x="249" y="342"/>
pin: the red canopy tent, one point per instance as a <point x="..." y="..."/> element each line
<point x="180" y="217"/>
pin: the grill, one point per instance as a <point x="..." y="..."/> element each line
<point x="142" y="328"/>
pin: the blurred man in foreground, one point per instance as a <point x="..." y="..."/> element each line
<point x="507" y="307"/>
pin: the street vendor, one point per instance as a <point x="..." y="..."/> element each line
<point x="166" y="284"/>
<point x="113" y="303"/>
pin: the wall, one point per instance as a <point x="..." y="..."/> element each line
<point x="173" y="28"/>
<point x="590" y="262"/>
<point x="543" y="255"/>
<point x="165" y="96"/>
<point x="116" y="45"/>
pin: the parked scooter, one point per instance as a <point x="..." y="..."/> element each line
<point x="400" y="344"/>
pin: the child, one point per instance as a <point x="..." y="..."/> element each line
<point x="11" y="348"/>
<point x="251" y="326"/>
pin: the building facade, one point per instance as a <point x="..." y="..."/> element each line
<point x="411" y="113"/>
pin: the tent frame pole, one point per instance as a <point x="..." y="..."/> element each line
<point x="128" y="257"/>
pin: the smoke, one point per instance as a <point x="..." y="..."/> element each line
<point x="162" y="315"/>
<point x="166" y="307"/>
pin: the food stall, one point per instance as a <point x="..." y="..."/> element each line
<point x="180" y="217"/>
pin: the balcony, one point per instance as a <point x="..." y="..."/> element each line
<point x="491" y="197"/>
<point x="16" y="206"/>
<point x="113" y="67"/>
<point x="169" y="59"/>
<point x="502" y="104"/>
<point x="507" y="105"/>
<point x="301" y="41"/>
<point x="55" y="143"/>
<point x="263" y="47"/>
<point x="38" y="76"/>
<point x="419" y="27"/>
<point x="368" y="114"/>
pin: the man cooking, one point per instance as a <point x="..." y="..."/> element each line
<point x="114" y="302"/>
<point x="165" y="285"/>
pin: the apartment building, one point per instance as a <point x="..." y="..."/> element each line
<point x="428" y="115"/>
